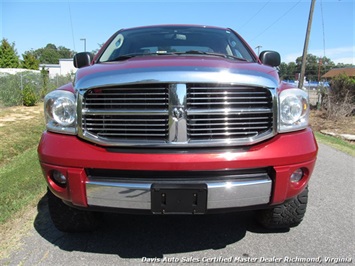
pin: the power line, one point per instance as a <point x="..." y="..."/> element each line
<point x="71" y="25"/>
<point x="277" y="20"/>
<point x="255" y="15"/>
<point x="321" y="9"/>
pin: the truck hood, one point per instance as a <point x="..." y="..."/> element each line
<point x="175" y="69"/>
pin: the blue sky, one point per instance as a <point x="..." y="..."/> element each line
<point x="273" y="24"/>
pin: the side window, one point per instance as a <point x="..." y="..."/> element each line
<point x="113" y="49"/>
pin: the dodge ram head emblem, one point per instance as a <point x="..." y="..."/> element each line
<point x="178" y="113"/>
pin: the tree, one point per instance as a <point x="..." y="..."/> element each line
<point x="48" y="54"/>
<point x="8" y="55"/>
<point x="287" y="71"/>
<point x="29" y="60"/>
<point x="315" y="66"/>
<point x="283" y="71"/>
<point x="65" y="52"/>
<point x="291" y="70"/>
<point x="342" y="65"/>
<point x="51" y="54"/>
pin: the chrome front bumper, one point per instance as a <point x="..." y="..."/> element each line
<point x="220" y="194"/>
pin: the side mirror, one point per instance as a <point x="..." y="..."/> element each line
<point x="270" y="58"/>
<point x="82" y="59"/>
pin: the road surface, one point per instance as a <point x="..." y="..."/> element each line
<point x="325" y="236"/>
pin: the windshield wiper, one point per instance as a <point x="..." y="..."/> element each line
<point x="212" y="54"/>
<point x="191" y="52"/>
<point x="128" y="56"/>
<point x="124" y="57"/>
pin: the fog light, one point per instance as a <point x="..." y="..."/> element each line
<point x="297" y="175"/>
<point x="59" y="178"/>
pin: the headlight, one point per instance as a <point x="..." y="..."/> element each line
<point x="293" y="110"/>
<point x="60" y="112"/>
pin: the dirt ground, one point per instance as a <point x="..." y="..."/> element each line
<point x="19" y="113"/>
<point x="319" y="122"/>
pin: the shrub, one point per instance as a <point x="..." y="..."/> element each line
<point x="27" y="88"/>
<point x="29" y="96"/>
<point x="341" y="97"/>
<point x="10" y="91"/>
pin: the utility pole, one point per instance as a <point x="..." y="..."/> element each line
<point x="305" y="48"/>
<point x="84" y="39"/>
<point x="258" y="47"/>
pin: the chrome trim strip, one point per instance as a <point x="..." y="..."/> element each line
<point x="227" y="194"/>
<point x="178" y="75"/>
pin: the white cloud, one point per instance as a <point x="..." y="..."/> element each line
<point x="337" y="55"/>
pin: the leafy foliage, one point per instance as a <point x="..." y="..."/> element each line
<point x="51" y="54"/>
<point x="8" y="55"/>
<point x="288" y="71"/>
<point x="10" y="92"/>
<point x="341" y="97"/>
<point x="30" y="61"/>
<point x="29" y="95"/>
<point x="316" y="67"/>
<point x="27" y="88"/>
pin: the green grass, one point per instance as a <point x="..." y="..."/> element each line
<point x="21" y="180"/>
<point x="336" y="143"/>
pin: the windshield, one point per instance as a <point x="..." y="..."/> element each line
<point x="173" y="40"/>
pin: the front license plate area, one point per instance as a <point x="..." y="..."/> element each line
<point x="179" y="199"/>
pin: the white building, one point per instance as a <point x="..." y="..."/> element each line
<point x="14" y="71"/>
<point x="64" y="67"/>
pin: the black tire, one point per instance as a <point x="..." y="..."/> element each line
<point x="68" y="219"/>
<point x="286" y="215"/>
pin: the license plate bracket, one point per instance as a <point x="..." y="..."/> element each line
<point x="178" y="198"/>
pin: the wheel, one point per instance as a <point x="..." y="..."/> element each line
<point x="68" y="219"/>
<point x="286" y="215"/>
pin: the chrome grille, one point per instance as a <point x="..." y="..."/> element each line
<point x="126" y="114"/>
<point x="150" y="115"/>
<point x="228" y="113"/>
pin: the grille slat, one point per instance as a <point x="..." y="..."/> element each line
<point x="227" y="134"/>
<point x="232" y="119"/>
<point x="225" y="97"/>
<point x="138" y="103"/>
<point x="88" y="125"/>
<point x="227" y="103"/>
<point x="229" y="129"/>
<point x="124" y="135"/>
<point x="142" y="114"/>
<point x="231" y="124"/>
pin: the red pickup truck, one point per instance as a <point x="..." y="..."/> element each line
<point x="177" y="119"/>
